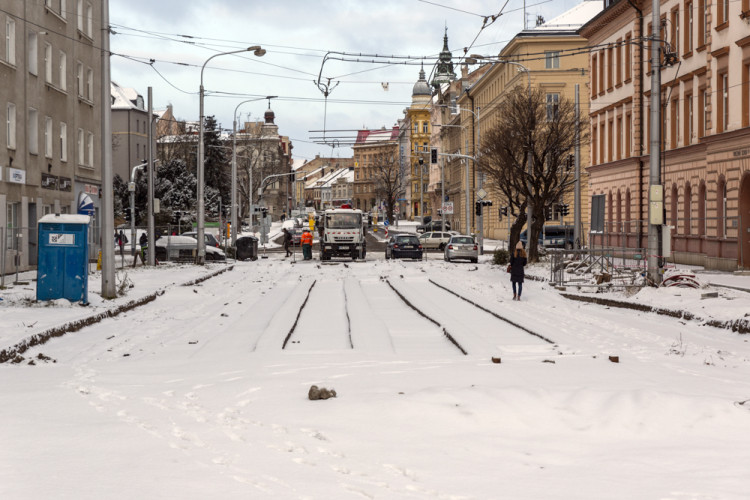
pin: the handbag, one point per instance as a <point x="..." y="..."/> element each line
<point x="508" y="269"/>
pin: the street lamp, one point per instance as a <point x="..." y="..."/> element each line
<point x="201" y="257"/>
<point x="235" y="225"/>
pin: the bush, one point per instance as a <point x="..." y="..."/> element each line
<point x="500" y="257"/>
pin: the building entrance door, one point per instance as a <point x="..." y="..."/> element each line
<point x="744" y="223"/>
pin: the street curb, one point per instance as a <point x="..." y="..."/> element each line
<point x="13" y="353"/>
<point x="741" y="326"/>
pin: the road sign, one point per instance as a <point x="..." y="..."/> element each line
<point x="385" y="223"/>
<point x="447" y="208"/>
<point x="481" y="193"/>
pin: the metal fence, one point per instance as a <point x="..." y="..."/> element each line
<point x="596" y="266"/>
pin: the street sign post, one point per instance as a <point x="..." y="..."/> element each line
<point x="447" y="208"/>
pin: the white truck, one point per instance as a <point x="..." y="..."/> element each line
<point x="342" y="234"/>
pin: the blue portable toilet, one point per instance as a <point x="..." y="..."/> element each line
<point x="63" y="258"/>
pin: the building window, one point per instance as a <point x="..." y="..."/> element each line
<point x="723" y="103"/>
<point x="703" y="28"/>
<point x="89" y="20"/>
<point x="425" y="127"/>
<point x="688" y="26"/>
<point x="594" y="73"/>
<point x="746" y="94"/>
<point x="628" y="56"/>
<point x="688" y="122"/>
<point x="610" y="67"/>
<point x="10" y="128"/>
<point x="722" y="207"/>
<point x="702" y="204"/>
<point x="14" y="214"/>
<point x="723" y="6"/>
<point x="553" y="107"/>
<point x="89" y="149"/>
<point x="628" y="131"/>
<point x="416" y="128"/>
<point x="63" y="70"/>
<point x="10" y="41"/>
<point x="673" y="206"/>
<point x="602" y="143"/>
<point x="601" y="72"/>
<point x="79" y="15"/>
<point x="551" y="59"/>
<point x="48" y="63"/>
<point x="687" y="204"/>
<point x="593" y="144"/>
<point x="33" y="53"/>
<point x="79" y="79"/>
<point x="63" y="9"/>
<point x="618" y="71"/>
<point x="90" y="84"/>
<point x="610" y="140"/>
<point x="675" y="30"/>
<point x="63" y="142"/>
<point x="675" y="122"/>
<point x="704" y="100"/>
<point x="47" y="137"/>
<point x="33" y="131"/>
<point x="619" y="137"/>
<point x="79" y="148"/>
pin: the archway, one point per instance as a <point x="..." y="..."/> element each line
<point x="744" y="223"/>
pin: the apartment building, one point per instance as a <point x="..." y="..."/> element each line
<point x="50" y="95"/>
<point x="705" y="119"/>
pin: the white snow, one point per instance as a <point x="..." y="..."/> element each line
<point x="191" y="395"/>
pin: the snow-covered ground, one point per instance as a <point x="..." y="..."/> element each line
<point x="193" y="395"/>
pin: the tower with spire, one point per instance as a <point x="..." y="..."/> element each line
<point x="444" y="71"/>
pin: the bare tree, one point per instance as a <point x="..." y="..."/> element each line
<point x="525" y="156"/>
<point x="387" y="179"/>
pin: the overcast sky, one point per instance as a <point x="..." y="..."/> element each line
<point x="180" y="35"/>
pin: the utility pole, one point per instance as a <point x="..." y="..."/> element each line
<point x="151" y="173"/>
<point x="656" y="190"/>
<point x="109" y="287"/>
<point x="577" y="198"/>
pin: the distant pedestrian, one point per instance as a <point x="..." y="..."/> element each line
<point x="287" y="241"/>
<point x="143" y="242"/>
<point x="517" y="263"/>
<point x="306" y="241"/>
<point x="121" y="240"/>
<point x="283" y="216"/>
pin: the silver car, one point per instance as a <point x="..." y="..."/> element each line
<point x="435" y="239"/>
<point x="461" y="246"/>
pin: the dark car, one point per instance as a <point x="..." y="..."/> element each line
<point x="435" y="225"/>
<point x="553" y="237"/>
<point x="403" y="246"/>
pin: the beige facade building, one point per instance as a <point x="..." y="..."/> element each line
<point x="551" y="56"/>
<point x="705" y="126"/>
<point x="50" y="96"/>
<point x="313" y="170"/>
<point x="371" y="148"/>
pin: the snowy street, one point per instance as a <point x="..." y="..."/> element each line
<point x="202" y="392"/>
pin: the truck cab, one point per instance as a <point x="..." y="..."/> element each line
<point x="343" y="234"/>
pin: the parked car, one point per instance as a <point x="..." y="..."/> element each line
<point x="461" y="246"/>
<point x="209" y="238"/>
<point x="553" y="237"/>
<point x="403" y="246"/>
<point x="435" y="225"/>
<point x="184" y="248"/>
<point x="435" y="239"/>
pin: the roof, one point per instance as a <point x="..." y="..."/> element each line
<point x="382" y="135"/>
<point x="571" y="20"/>
<point x="66" y="218"/>
<point x="330" y="178"/>
<point x="125" y="98"/>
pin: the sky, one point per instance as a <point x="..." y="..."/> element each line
<point x="191" y="395"/>
<point x="179" y="36"/>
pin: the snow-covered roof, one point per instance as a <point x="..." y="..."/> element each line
<point x="125" y="98"/>
<point x="331" y="177"/>
<point x="573" y="19"/>
<point x="66" y="218"/>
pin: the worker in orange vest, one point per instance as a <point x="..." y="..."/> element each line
<point x="306" y="240"/>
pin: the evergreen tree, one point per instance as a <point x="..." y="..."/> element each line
<point x="217" y="164"/>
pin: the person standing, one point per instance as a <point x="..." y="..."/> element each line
<point x="306" y="241"/>
<point x="517" y="263"/>
<point x="287" y="241"/>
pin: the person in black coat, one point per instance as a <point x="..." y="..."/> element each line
<point x="517" y="263"/>
<point x="287" y="241"/>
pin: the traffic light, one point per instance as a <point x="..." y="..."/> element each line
<point x="128" y="215"/>
<point x="564" y="209"/>
<point x="487" y="203"/>
<point x="548" y="212"/>
<point x="478" y="208"/>
<point x="433" y="156"/>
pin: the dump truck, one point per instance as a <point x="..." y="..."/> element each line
<point x="343" y="234"/>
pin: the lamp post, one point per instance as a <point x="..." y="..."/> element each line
<point x="201" y="257"/>
<point x="234" y="222"/>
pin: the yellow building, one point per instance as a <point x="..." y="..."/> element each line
<point x="551" y="56"/>
<point x="418" y="119"/>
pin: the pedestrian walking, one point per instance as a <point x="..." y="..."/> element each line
<point x="517" y="263"/>
<point x="143" y="242"/>
<point x="306" y="241"/>
<point x="287" y="240"/>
